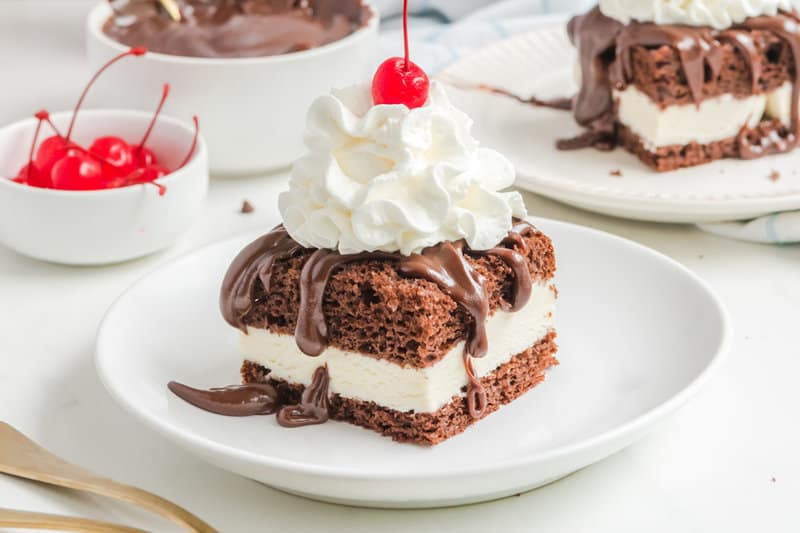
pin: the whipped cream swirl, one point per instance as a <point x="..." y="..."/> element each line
<point x="386" y="178"/>
<point x="719" y="14"/>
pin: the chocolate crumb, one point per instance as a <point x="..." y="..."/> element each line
<point x="247" y="207"/>
<point x="774" y="175"/>
<point x="701" y="257"/>
<point x="773" y="479"/>
<point x="616" y="173"/>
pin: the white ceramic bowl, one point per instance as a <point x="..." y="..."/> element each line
<point x="106" y="226"/>
<point x="252" y="110"/>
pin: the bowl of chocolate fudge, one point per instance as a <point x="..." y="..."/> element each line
<point x="249" y="69"/>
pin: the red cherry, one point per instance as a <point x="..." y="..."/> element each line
<point x="113" y="151"/>
<point x="24" y="173"/>
<point x="143" y="156"/>
<point x="50" y="151"/>
<point x="77" y="169"/>
<point x="35" y="178"/>
<point x="398" y="80"/>
<point x="109" y="162"/>
<point x="29" y="174"/>
<point x="78" y="172"/>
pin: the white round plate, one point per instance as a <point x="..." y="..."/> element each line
<point x="542" y="63"/>
<point x="638" y="335"/>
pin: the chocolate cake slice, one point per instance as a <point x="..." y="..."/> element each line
<point x="416" y="347"/>
<point x="404" y="291"/>
<point x="687" y="93"/>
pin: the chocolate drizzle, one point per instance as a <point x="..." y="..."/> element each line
<point x="253" y="263"/>
<point x="595" y="36"/>
<point x="312" y="329"/>
<point x="696" y="48"/>
<point x="787" y="27"/>
<point x="262" y="399"/>
<point x="236" y="400"/>
<point x="235" y="28"/>
<point x="605" y="55"/>
<point x="313" y="407"/>
<point x="743" y="42"/>
<point x="447" y="265"/>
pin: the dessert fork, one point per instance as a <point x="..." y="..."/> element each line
<point x="21" y="457"/>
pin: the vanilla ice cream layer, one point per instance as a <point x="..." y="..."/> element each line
<point x="715" y="119"/>
<point x="405" y="388"/>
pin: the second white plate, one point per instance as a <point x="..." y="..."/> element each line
<point x="541" y="63"/>
<point x="638" y="334"/>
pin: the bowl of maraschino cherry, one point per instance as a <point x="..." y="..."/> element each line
<point x="100" y="186"/>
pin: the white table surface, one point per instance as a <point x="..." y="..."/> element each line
<point x="729" y="461"/>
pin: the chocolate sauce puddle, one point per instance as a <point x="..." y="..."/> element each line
<point x="445" y="264"/>
<point x="235" y="28"/>
<point x="262" y="399"/>
<point x="235" y="400"/>
<point x="605" y="57"/>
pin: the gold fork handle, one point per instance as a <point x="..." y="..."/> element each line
<point x="51" y="522"/>
<point x="21" y="457"/>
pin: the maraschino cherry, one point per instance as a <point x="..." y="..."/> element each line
<point x="109" y="162"/>
<point x="400" y="81"/>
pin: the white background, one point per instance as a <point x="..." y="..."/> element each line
<point x="729" y="461"/>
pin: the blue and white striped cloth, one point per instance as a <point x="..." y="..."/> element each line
<point x="778" y="228"/>
<point x="443" y="31"/>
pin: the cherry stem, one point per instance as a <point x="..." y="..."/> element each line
<point x="194" y="143"/>
<point x="41" y="116"/>
<point x="88" y="152"/>
<point x="53" y="127"/>
<point x="76" y="146"/>
<point x="135" y="51"/>
<point x="152" y="124"/>
<point x="162" y="189"/>
<point x="138" y="173"/>
<point x="405" y="34"/>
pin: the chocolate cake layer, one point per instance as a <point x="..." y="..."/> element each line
<point x="370" y="308"/>
<point x="507" y="383"/>
<point x="658" y="72"/>
<point x="669" y="158"/>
